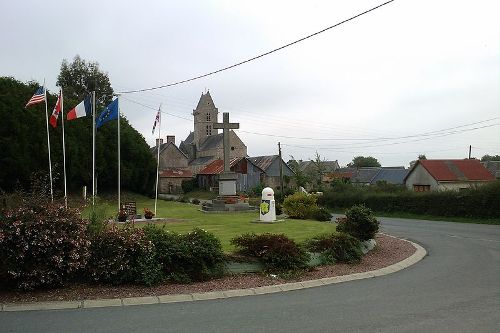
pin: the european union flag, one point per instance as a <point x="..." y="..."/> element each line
<point x="109" y="113"/>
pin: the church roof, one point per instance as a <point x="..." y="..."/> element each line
<point x="212" y="142"/>
<point x="201" y="160"/>
<point x="205" y="100"/>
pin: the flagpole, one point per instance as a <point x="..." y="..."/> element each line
<point x="93" y="150"/>
<point x="48" y="140"/>
<point x="158" y="158"/>
<point x="119" y="187"/>
<point x="64" y="151"/>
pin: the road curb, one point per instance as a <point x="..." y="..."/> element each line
<point x="419" y="254"/>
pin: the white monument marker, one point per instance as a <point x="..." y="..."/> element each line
<point x="267" y="206"/>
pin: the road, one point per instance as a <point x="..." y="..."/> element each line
<point x="456" y="288"/>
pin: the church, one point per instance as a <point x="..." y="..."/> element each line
<point x="201" y="147"/>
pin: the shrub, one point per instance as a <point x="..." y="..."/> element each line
<point x="321" y="214"/>
<point x="195" y="201"/>
<point x="359" y="222"/>
<point x="196" y="256"/>
<point x="123" y="255"/>
<point x="339" y="247"/>
<point x="189" y="185"/>
<point x="276" y="252"/>
<point x="41" y="246"/>
<point x="300" y="205"/>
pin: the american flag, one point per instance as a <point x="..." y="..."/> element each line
<point x="38" y="97"/>
<point x="157" y="120"/>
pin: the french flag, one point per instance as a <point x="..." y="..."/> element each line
<point x="81" y="110"/>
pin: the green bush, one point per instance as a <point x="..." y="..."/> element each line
<point x="359" y="222"/>
<point x="189" y="185"/>
<point x="277" y="253"/>
<point x="42" y="245"/>
<point x="196" y="256"/>
<point x="123" y="255"/>
<point x="300" y="205"/>
<point x="321" y="214"/>
<point x="478" y="202"/>
<point x="338" y="247"/>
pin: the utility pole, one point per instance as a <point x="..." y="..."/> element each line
<point x="281" y="172"/>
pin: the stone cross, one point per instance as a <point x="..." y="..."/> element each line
<point x="226" y="126"/>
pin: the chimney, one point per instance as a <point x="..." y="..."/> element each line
<point x="171" y="138"/>
<point x="161" y="142"/>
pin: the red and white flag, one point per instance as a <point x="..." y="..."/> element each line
<point x="57" y="110"/>
<point x="38" y="97"/>
<point x="157" y="120"/>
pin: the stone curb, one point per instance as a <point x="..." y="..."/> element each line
<point x="419" y="254"/>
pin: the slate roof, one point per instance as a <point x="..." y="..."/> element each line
<point x="205" y="100"/>
<point x="391" y="175"/>
<point x="365" y="175"/>
<point x="176" y="173"/>
<point x="201" y="160"/>
<point x="212" y="142"/>
<point x="163" y="146"/>
<point x="329" y="166"/>
<point x="493" y="167"/>
<point x="216" y="167"/>
<point x="455" y="170"/>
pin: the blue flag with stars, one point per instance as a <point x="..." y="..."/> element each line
<point x="109" y="113"/>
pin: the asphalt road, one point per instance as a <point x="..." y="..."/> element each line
<point x="456" y="288"/>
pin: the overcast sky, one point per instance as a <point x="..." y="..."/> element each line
<point x="413" y="77"/>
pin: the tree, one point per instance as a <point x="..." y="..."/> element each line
<point x="361" y="161"/>
<point x="487" y="158"/>
<point x="300" y="177"/>
<point x="318" y="171"/>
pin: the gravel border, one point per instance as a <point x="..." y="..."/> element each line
<point x="258" y="285"/>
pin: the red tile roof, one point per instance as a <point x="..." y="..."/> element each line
<point x="217" y="166"/>
<point x="455" y="170"/>
<point x="176" y="173"/>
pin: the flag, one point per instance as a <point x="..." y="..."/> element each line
<point x="38" y="97"/>
<point x="81" y="110"/>
<point x="57" y="110"/>
<point x="108" y="114"/>
<point x="157" y="120"/>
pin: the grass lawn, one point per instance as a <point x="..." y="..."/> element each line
<point x="224" y="225"/>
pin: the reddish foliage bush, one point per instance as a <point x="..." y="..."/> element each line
<point x="123" y="255"/>
<point x="41" y="245"/>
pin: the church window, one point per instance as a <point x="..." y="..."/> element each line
<point x="232" y="148"/>
<point x="209" y="130"/>
<point x="208" y="116"/>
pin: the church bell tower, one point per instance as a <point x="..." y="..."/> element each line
<point x="205" y="115"/>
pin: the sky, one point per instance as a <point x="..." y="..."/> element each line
<point x="410" y="78"/>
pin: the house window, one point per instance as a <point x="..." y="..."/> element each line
<point x="208" y="116"/>
<point x="421" y="188"/>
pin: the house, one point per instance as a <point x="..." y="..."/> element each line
<point x="372" y="175"/>
<point x="493" y="167"/>
<point x="173" y="167"/>
<point x="270" y="171"/>
<point x="436" y="175"/>
<point x="248" y="174"/>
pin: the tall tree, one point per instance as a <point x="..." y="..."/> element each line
<point x="361" y="161"/>
<point x="300" y="177"/>
<point x="318" y="171"/>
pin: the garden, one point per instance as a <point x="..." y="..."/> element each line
<point x="45" y="246"/>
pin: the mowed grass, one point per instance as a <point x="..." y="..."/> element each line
<point x="224" y="226"/>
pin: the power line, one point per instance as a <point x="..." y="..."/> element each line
<point x="153" y="108"/>
<point x="258" y="56"/>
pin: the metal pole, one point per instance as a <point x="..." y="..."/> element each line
<point x="93" y="150"/>
<point x="119" y="185"/>
<point x="158" y="158"/>
<point x="64" y="151"/>
<point x="48" y="140"/>
<point x="281" y="172"/>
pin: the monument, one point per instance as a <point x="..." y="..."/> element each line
<point x="267" y="206"/>
<point x="227" y="179"/>
<point x="227" y="199"/>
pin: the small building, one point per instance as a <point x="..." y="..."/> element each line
<point x="247" y="173"/>
<point x="438" y="175"/>
<point x="270" y="171"/>
<point x="170" y="180"/>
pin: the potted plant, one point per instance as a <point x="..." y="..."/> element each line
<point x="122" y="216"/>
<point x="148" y="214"/>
